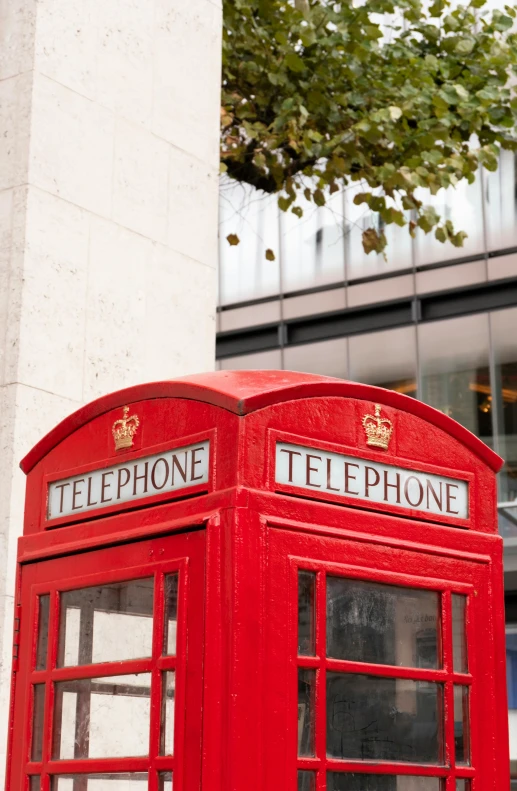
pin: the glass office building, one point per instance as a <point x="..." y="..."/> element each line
<point x="435" y="322"/>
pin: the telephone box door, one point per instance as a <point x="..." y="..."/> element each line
<point x="108" y="688"/>
<point x="385" y="669"/>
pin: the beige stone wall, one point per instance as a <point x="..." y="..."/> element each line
<point x="108" y="218"/>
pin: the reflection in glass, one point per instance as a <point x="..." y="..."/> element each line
<point x="328" y="358"/>
<point x="245" y="273"/>
<point x="107" y="623"/>
<point x="386" y="359"/>
<point x="102" y="717"/>
<point x="462" y="204"/>
<point x="306" y="781"/>
<point x="37" y="721"/>
<point x="455" y="373"/>
<point x="461" y="724"/>
<point x="501" y="203"/>
<point x="312" y="246"/>
<point x="167" y="713"/>
<point x="34" y="783"/>
<point x="511" y="664"/>
<point x="358" y="219"/>
<point x="306" y="711"/>
<point x="459" y="641"/>
<point x="383" y="719"/>
<point x="306" y="613"/>
<point x="120" y="781"/>
<point x="340" y="781"/>
<point x="171" y="615"/>
<point x="165" y="781"/>
<point x="382" y="624"/>
<point x="43" y="619"/>
<point x="503" y="323"/>
<point x="462" y="785"/>
<point x="258" y="361"/>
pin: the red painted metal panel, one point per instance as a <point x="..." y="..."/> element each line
<point x="242" y="392"/>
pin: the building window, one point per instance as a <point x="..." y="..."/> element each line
<point x="455" y="371"/>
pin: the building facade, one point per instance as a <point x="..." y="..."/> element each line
<point x="435" y="322"/>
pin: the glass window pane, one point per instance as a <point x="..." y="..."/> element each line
<point x="37" y="722"/>
<point x="306" y="781"/>
<point x="459" y="635"/>
<point x="511" y="665"/>
<point x="114" y="781"/>
<point x="340" y="781"/>
<point x="167" y="714"/>
<point x="108" y="623"/>
<point x="328" y="358"/>
<point x="171" y="615"/>
<point x="43" y="619"/>
<point x="382" y="624"/>
<point x="312" y="246"/>
<point x="501" y="203"/>
<point x="165" y="781"/>
<point x="306" y="613"/>
<point x="503" y="324"/>
<point x="462" y="205"/>
<point x="359" y="219"/>
<point x="102" y="717"/>
<point x="306" y="711"/>
<point x="386" y="359"/>
<point x="462" y="785"/>
<point x="35" y="783"/>
<point x="383" y="719"/>
<point x="461" y="724"/>
<point x="455" y="374"/>
<point x="253" y="216"/>
<point x="270" y="360"/>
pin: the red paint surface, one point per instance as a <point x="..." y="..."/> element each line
<point x="238" y="723"/>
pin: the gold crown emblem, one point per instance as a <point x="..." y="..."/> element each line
<point x="378" y="429"/>
<point x="124" y="429"/>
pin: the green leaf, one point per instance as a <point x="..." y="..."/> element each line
<point x="294" y="62"/>
<point x="465" y="46"/>
<point x="319" y="197"/>
<point x="428" y="218"/>
<point x="270" y="256"/>
<point x="285" y="201"/>
<point x="298" y="211"/>
<point x="458" y="238"/>
<point x="501" y="21"/>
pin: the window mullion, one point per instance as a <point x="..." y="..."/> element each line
<point x="447" y="652"/>
<point x="321" y="685"/>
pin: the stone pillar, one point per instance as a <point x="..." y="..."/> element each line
<point x="109" y="135"/>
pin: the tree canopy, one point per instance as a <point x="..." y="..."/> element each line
<point x="391" y="94"/>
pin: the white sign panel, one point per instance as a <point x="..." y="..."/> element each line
<point x="169" y="471"/>
<point x="334" y="473"/>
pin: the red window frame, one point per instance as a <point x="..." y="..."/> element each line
<point x="183" y="554"/>
<point x="445" y="573"/>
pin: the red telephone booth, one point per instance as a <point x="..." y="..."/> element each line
<point x="259" y="580"/>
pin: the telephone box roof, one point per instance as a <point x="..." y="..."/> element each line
<point x="242" y="392"/>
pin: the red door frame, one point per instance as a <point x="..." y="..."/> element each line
<point x="182" y="552"/>
<point x="458" y="572"/>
